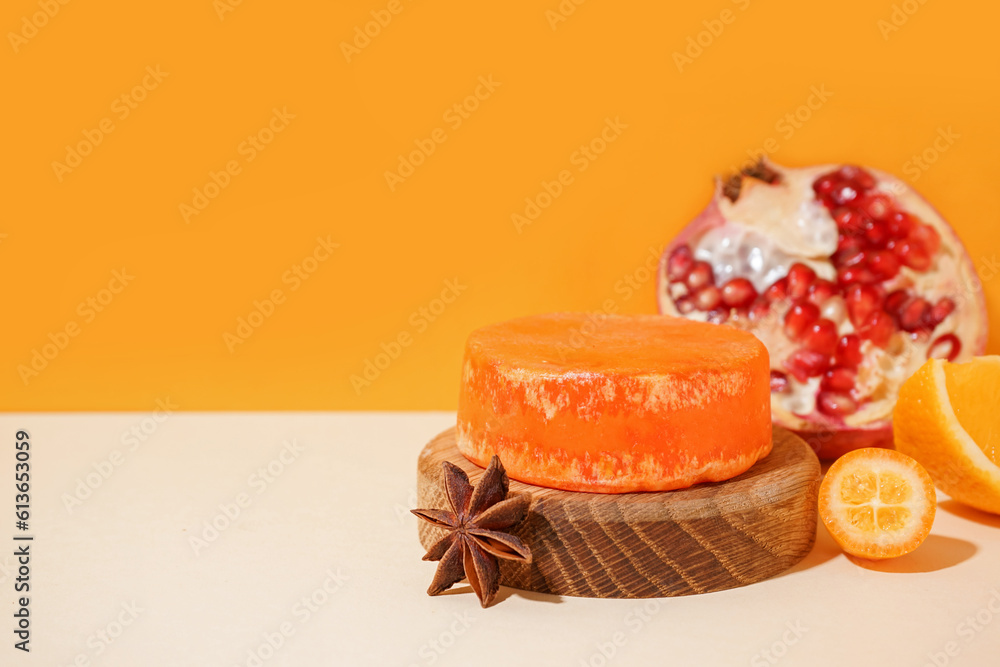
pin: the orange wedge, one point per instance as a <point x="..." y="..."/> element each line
<point x="877" y="503"/>
<point x="947" y="418"/>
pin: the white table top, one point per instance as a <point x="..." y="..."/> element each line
<point x="332" y="524"/>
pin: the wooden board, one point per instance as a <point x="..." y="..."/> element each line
<point x="709" y="537"/>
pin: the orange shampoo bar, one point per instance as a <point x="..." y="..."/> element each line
<point x="615" y="404"/>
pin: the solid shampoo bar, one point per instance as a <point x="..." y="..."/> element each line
<point x="615" y="404"/>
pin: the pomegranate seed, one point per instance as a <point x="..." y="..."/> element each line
<point x="850" y="256"/>
<point x="942" y="309"/>
<point x="848" y="242"/>
<point x="946" y="347"/>
<point x="899" y="225"/>
<point x="862" y="301"/>
<point x="912" y="315"/>
<point x="863" y="179"/>
<point x="778" y="291"/>
<point x="878" y="329"/>
<point x="895" y="301"/>
<point x="852" y="275"/>
<point x="804" y="364"/>
<point x="876" y="234"/>
<point x="849" y="219"/>
<point x="738" y="292"/>
<point x="824" y="184"/>
<point x="877" y="206"/>
<point x="883" y="264"/>
<point x="708" y="298"/>
<point x="835" y="405"/>
<point x="799" y="318"/>
<point x="927" y="236"/>
<point x="679" y="264"/>
<point x="838" y="379"/>
<point x="700" y="275"/>
<point x="779" y="382"/>
<point x="820" y="291"/>
<point x="913" y="254"/>
<point x="843" y="193"/>
<point x="822" y="337"/>
<point x="684" y="304"/>
<point x="849" y="351"/>
<point x="800" y="277"/>
<point x="848" y="172"/>
<point x="856" y="175"/>
<point x="760" y="308"/>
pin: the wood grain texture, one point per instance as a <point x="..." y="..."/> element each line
<point x="709" y="537"/>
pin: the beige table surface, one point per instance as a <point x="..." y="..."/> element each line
<point x="323" y="562"/>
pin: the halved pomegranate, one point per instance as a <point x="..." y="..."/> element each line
<point x="847" y="275"/>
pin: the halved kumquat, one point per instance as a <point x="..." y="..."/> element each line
<point x="877" y="503"/>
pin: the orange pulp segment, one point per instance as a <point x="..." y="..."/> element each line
<point x="947" y="419"/>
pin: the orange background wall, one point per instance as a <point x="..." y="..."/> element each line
<point x="222" y="70"/>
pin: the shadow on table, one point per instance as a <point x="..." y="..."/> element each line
<point x="969" y="513"/>
<point x="506" y="592"/>
<point x="823" y="550"/>
<point x="936" y="553"/>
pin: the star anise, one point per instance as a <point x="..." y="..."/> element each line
<point x="475" y="527"/>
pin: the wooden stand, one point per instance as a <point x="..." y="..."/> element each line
<point x="639" y="545"/>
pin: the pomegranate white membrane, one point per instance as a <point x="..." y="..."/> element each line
<point x="848" y="276"/>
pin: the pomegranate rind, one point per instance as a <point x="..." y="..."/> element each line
<point x="630" y="403"/>
<point x="830" y="444"/>
<point x="871" y="427"/>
